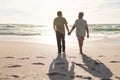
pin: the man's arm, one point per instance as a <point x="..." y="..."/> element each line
<point x="54" y="26"/>
<point x="67" y="27"/>
<point x="87" y="30"/>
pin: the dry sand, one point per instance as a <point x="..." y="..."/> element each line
<point x="36" y="61"/>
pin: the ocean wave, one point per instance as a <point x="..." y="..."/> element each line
<point x="105" y="29"/>
<point x="22" y="34"/>
<point x="29" y="29"/>
<point x="21" y="25"/>
<point x="20" y="29"/>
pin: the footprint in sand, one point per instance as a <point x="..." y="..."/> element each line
<point x="15" y="76"/>
<point x="60" y="63"/>
<point x="10" y="57"/>
<point x="56" y="73"/>
<point x="83" y="77"/>
<point x="71" y="57"/>
<point x="23" y="58"/>
<point x="14" y="66"/>
<point x="106" y="79"/>
<point x="114" y="61"/>
<point x="40" y="57"/>
<point x="101" y="56"/>
<point x="38" y="63"/>
<point x="5" y="79"/>
<point x="117" y="77"/>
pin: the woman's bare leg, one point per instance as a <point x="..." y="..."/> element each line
<point x="80" y="41"/>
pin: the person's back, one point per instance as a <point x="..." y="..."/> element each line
<point x="59" y="25"/>
<point x="60" y="22"/>
<point x="81" y="29"/>
<point x="81" y="25"/>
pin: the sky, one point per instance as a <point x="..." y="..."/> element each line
<point x="43" y="12"/>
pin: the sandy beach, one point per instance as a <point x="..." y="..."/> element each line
<point x="36" y="61"/>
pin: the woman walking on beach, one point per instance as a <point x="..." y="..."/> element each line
<point x="81" y="29"/>
<point x="59" y="25"/>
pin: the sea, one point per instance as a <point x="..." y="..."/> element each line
<point x="46" y="34"/>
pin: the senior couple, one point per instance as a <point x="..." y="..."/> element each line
<point x="59" y="25"/>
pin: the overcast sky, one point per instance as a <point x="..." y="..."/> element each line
<point x="44" y="11"/>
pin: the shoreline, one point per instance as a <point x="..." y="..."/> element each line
<point x="44" y="39"/>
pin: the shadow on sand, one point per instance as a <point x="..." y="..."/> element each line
<point x="95" y="68"/>
<point x="59" y="69"/>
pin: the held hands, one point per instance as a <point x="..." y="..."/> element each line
<point x="69" y="33"/>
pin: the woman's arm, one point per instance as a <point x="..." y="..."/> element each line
<point x="71" y="30"/>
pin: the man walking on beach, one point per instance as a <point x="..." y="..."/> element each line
<point x="59" y="25"/>
<point x="81" y="29"/>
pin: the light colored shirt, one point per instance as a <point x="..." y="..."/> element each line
<point x="80" y="25"/>
<point x="60" y="24"/>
